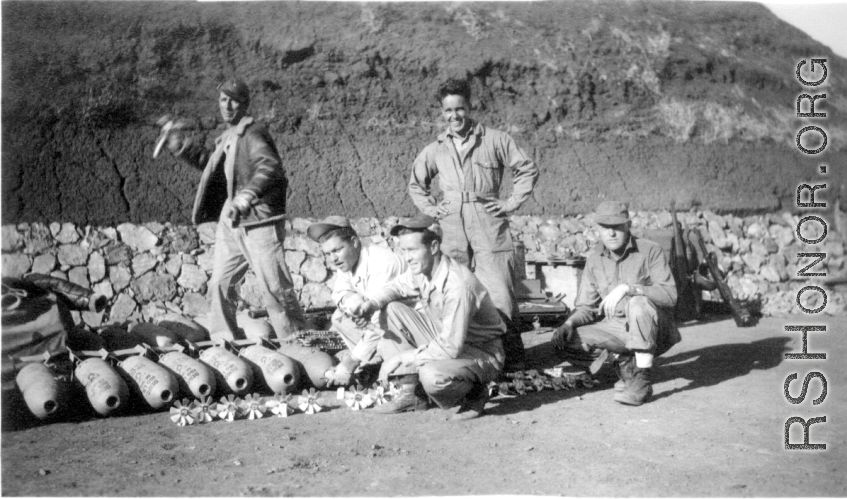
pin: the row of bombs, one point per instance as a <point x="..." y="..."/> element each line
<point x="159" y="374"/>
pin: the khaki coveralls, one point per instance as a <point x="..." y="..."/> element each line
<point x="472" y="236"/>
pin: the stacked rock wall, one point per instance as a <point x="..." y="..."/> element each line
<point x="148" y="269"/>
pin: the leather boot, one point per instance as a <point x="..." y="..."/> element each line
<point x="410" y="397"/>
<point x="638" y="389"/>
<point x="473" y="405"/>
<point x="625" y="369"/>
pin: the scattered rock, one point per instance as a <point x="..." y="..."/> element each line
<point x="142" y="263"/>
<point x="192" y="277"/>
<point x="79" y="275"/>
<point x="314" y="270"/>
<point x="11" y="239"/>
<point x="173" y="265"/>
<point x="96" y="267"/>
<point x="206" y="261"/>
<point x="137" y="237"/>
<point x="15" y="264"/>
<point x="118" y="253"/>
<point x="44" y="264"/>
<point x="294" y="259"/>
<point x="38" y="240"/>
<point x="121" y="310"/>
<point x="194" y="304"/>
<point x="120" y="277"/>
<point x="301" y="224"/>
<point x="153" y="286"/>
<point x="67" y="234"/>
<point x="72" y="254"/>
<point x="104" y="288"/>
<point x="184" y="239"/>
<point x="206" y="232"/>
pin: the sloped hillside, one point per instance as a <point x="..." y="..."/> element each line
<point x="642" y="101"/>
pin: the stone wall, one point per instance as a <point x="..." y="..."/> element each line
<point x="148" y="269"/>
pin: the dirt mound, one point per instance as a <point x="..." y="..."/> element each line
<point x="640" y="101"/>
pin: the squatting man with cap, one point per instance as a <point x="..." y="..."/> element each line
<point x="469" y="161"/>
<point x="361" y="270"/>
<point x="627" y="281"/>
<point x="243" y="187"/>
<point x="453" y="332"/>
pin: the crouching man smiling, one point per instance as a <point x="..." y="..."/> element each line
<point x="454" y="330"/>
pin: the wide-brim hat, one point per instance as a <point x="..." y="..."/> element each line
<point x="611" y="213"/>
<point x="418" y="222"/>
<point x="318" y="229"/>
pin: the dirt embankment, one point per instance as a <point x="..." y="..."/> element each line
<point x="644" y="102"/>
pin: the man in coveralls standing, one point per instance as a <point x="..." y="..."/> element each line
<point x="469" y="160"/>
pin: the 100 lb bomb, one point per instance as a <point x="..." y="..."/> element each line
<point x="43" y="391"/>
<point x="230" y="371"/>
<point x="280" y="373"/>
<point x="194" y="377"/>
<point x="105" y="389"/>
<point x="315" y="363"/>
<point x="153" y="382"/>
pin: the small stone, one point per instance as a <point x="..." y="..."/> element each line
<point x="79" y="276"/>
<point x="173" y="264"/>
<point x="314" y="270"/>
<point x="93" y="319"/>
<point x="529" y="448"/>
<point x="120" y="276"/>
<point x="303" y="243"/>
<point x="753" y="261"/>
<point x="184" y="239"/>
<point x="118" y="253"/>
<point x="294" y="259"/>
<point x="155" y="227"/>
<point x="104" y="288"/>
<point x="72" y="254"/>
<point x="96" y="267"/>
<point x="237" y="463"/>
<point x="43" y="472"/>
<point x="142" y="263"/>
<point x="137" y="237"/>
<point x="206" y="232"/>
<point x="301" y="225"/>
<point x="44" y="264"/>
<point x="11" y="239"/>
<point x="206" y="261"/>
<point x="15" y="264"/>
<point x="770" y="274"/>
<point x="153" y="286"/>
<point x="38" y="239"/>
<point x="122" y="309"/>
<point x="192" y="277"/>
<point x="194" y="304"/>
<point x="67" y="234"/>
<point x="664" y="219"/>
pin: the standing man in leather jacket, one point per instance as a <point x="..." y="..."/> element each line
<point x="243" y="187"/>
<point x="469" y="160"/>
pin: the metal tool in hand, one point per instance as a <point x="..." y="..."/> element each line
<point x="168" y="125"/>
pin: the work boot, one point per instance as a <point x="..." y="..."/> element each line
<point x="625" y="369"/>
<point x="410" y="397"/>
<point x="473" y="405"/>
<point x="639" y="388"/>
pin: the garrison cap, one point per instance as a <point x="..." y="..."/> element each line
<point x="611" y="213"/>
<point x="236" y="89"/>
<point x="418" y="222"/>
<point x="318" y="229"/>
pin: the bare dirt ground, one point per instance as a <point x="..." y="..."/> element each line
<point x="714" y="428"/>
